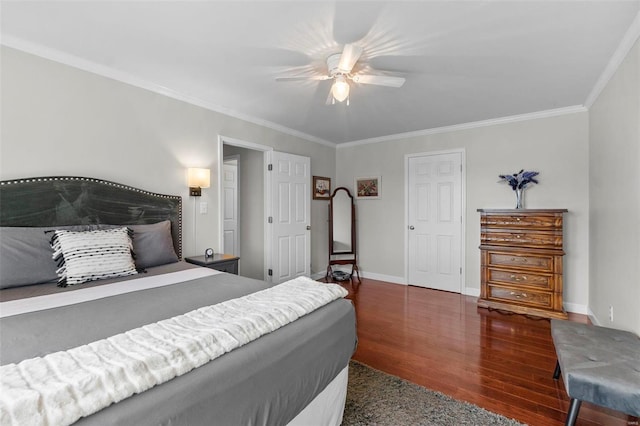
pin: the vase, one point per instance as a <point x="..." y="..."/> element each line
<point x="519" y="198"/>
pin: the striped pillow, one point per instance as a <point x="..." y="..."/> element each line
<point x="92" y="255"/>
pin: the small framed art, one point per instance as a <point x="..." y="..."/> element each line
<point x="367" y="187"/>
<point x="321" y="188"/>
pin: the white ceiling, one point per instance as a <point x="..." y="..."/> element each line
<point x="463" y="61"/>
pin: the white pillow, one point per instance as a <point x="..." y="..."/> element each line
<point x="92" y="255"/>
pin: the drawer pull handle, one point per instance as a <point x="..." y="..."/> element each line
<point x="515" y="277"/>
<point x="522" y="259"/>
<point x="518" y="295"/>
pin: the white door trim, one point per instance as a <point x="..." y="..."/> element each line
<point x="463" y="188"/>
<point x="225" y="140"/>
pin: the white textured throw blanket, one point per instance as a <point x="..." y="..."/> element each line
<point x="62" y="387"/>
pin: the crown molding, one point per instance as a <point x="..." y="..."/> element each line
<point x="629" y="39"/>
<point x="631" y="36"/>
<point x="105" y="71"/>
<point x="471" y="125"/>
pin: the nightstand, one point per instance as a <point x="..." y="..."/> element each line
<point x="219" y="262"/>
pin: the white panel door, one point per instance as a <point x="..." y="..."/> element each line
<point x="434" y="220"/>
<point x="290" y="216"/>
<point x="231" y="234"/>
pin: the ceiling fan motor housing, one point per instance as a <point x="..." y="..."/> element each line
<point x="332" y="65"/>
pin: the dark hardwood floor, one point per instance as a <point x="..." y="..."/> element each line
<point x="443" y="341"/>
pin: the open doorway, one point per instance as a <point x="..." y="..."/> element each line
<point x="273" y="195"/>
<point x="242" y="208"/>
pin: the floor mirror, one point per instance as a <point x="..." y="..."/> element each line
<point x="342" y="235"/>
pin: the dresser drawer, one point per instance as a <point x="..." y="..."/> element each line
<point x="522" y="239"/>
<point x="543" y="282"/>
<point x="542" y="263"/>
<point x="550" y="222"/>
<point x="531" y="298"/>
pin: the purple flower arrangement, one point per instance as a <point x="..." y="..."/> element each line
<point x="520" y="180"/>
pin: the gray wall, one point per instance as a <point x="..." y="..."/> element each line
<point x="59" y="120"/>
<point x="557" y="147"/>
<point x="55" y="119"/>
<point x="614" y="208"/>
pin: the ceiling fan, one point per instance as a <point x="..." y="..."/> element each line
<point x="340" y="67"/>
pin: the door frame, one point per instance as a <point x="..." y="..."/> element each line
<point x="225" y="140"/>
<point x="463" y="195"/>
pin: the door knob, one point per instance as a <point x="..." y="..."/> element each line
<point x="412" y="227"/>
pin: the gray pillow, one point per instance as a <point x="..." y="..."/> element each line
<point x="153" y="245"/>
<point x="26" y="256"/>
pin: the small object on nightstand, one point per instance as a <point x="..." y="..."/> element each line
<point x="208" y="253"/>
<point x="218" y="261"/>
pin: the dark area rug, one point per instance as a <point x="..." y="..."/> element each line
<point x="376" y="398"/>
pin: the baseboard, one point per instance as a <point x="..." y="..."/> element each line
<point x="593" y="318"/>
<point x="318" y="275"/>
<point x="370" y="275"/>
<point x="467" y="291"/>
<point x="381" y="277"/>
<point x="471" y="291"/>
<point x="576" y="308"/>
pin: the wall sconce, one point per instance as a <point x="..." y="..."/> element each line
<point x="198" y="179"/>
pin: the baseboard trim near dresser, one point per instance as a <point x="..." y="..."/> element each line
<point x="471" y="291"/>
<point x="576" y="308"/>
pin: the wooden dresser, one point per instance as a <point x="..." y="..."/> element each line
<point x="521" y="261"/>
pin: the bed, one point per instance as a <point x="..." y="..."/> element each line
<point x="295" y="374"/>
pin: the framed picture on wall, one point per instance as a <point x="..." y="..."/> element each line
<point x="367" y="187"/>
<point x="321" y="188"/>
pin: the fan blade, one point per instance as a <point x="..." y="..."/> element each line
<point x="309" y="77"/>
<point x="350" y="55"/>
<point x="379" y="80"/>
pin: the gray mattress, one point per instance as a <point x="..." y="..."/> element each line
<point x="266" y="382"/>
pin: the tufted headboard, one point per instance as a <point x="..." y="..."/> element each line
<point x="70" y="200"/>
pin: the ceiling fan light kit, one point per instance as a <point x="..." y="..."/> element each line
<point x="340" y="88"/>
<point x="339" y="67"/>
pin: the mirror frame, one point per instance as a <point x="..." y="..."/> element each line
<point x="353" y="223"/>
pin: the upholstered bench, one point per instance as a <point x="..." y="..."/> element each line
<point x="598" y="365"/>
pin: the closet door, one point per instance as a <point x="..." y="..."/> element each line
<point x="434" y="221"/>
